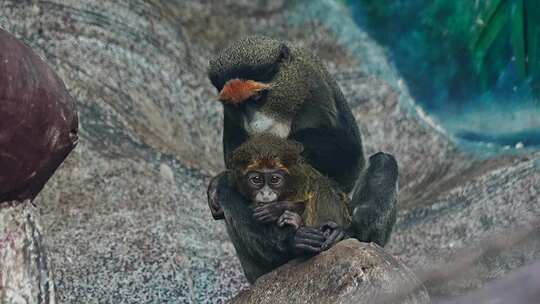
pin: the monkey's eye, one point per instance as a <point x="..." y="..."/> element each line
<point x="257" y="97"/>
<point x="276" y="180"/>
<point x="256" y="179"/>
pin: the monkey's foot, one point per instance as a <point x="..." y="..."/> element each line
<point x="308" y="240"/>
<point x="213" y="197"/>
<point x="290" y="218"/>
<point x="333" y="234"/>
<point x="270" y="212"/>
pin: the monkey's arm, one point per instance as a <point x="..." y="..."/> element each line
<point x="233" y="133"/>
<point x="212" y="194"/>
<point x="374" y="204"/>
<point x="331" y="140"/>
<point x="261" y="248"/>
<point x="233" y="136"/>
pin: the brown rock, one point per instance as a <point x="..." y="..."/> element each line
<point x="350" y="272"/>
<point x="38" y="121"/>
<point x="38" y="129"/>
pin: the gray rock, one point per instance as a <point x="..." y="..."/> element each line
<point x="120" y="228"/>
<point x="520" y="286"/>
<point x="350" y="272"/>
<point x="457" y="208"/>
<point x="116" y="224"/>
<point x="25" y="268"/>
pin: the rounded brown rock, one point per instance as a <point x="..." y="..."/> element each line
<point x="350" y="272"/>
<point x="38" y="121"/>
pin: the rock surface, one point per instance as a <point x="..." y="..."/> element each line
<point x="350" y="272"/>
<point x="519" y="286"/>
<point x="25" y="268"/>
<point x="126" y="216"/>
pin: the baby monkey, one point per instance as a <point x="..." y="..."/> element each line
<point x="270" y="172"/>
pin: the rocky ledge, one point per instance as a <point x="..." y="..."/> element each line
<point x="350" y="272"/>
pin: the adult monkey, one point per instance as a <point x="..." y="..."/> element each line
<point x="268" y="85"/>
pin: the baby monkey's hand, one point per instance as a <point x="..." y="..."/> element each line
<point x="290" y="218"/>
<point x="269" y="212"/>
<point x="333" y="234"/>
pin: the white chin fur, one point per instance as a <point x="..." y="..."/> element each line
<point x="261" y="123"/>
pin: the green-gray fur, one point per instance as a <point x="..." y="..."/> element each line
<point x="303" y="93"/>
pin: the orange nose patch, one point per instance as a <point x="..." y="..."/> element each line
<point x="236" y="91"/>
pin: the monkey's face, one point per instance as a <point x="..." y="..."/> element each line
<point x="264" y="73"/>
<point x="265" y="185"/>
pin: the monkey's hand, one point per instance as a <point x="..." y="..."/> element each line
<point x="270" y="212"/>
<point x="333" y="234"/>
<point x="213" y="197"/>
<point x="290" y="218"/>
<point x="308" y="240"/>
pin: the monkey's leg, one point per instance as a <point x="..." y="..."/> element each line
<point x="374" y="204"/>
<point x="213" y="197"/>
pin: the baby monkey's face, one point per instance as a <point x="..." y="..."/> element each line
<point x="265" y="184"/>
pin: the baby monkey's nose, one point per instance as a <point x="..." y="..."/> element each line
<point x="267" y="196"/>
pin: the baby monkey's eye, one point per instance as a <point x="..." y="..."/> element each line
<point x="276" y="179"/>
<point x="256" y="179"/>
